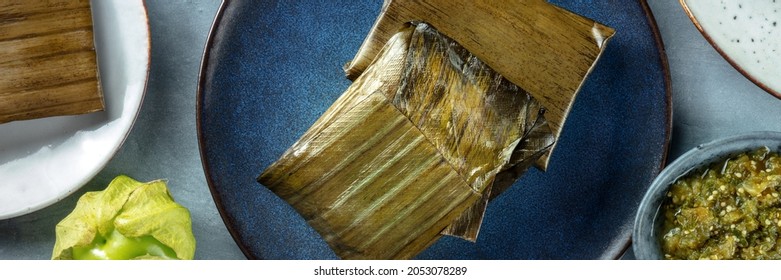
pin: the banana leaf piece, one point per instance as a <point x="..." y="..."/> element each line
<point x="48" y="60"/>
<point x="412" y="144"/>
<point x="481" y="122"/>
<point x="366" y="179"/>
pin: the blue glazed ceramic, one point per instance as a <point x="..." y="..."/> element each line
<point x="272" y="67"/>
<point x="647" y="231"/>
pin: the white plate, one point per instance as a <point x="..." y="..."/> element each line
<point x="44" y="160"/>
<point x="747" y="33"/>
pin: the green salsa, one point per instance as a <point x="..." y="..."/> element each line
<point x="731" y="210"/>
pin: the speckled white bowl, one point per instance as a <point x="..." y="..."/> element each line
<point x="646" y="234"/>
<point x="44" y="160"/>
<point x="747" y="33"/>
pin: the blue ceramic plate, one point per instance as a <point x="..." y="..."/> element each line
<point x="272" y="67"/>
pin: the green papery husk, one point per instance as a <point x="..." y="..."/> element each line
<point x="133" y="208"/>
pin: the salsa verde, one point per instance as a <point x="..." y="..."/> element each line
<point x="731" y="210"/>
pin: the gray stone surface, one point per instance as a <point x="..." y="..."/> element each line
<point x="711" y="100"/>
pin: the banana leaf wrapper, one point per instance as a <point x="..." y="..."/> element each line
<point x="485" y="126"/>
<point x="48" y="60"/>
<point x="413" y="145"/>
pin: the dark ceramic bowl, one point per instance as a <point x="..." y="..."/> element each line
<point x="647" y="228"/>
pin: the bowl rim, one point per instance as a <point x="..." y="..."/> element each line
<point x="740" y="67"/>
<point x="697" y="157"/>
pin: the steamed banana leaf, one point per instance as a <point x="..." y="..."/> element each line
<point x="47" y="59"/>
<point x="413" y="145"/>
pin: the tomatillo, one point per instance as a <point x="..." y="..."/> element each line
<point x="118" y="247"/>
<point x="127" y="220"/>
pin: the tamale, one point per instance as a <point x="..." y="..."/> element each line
<point x="412" y="144"/>
<point x="48" y="59"/>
